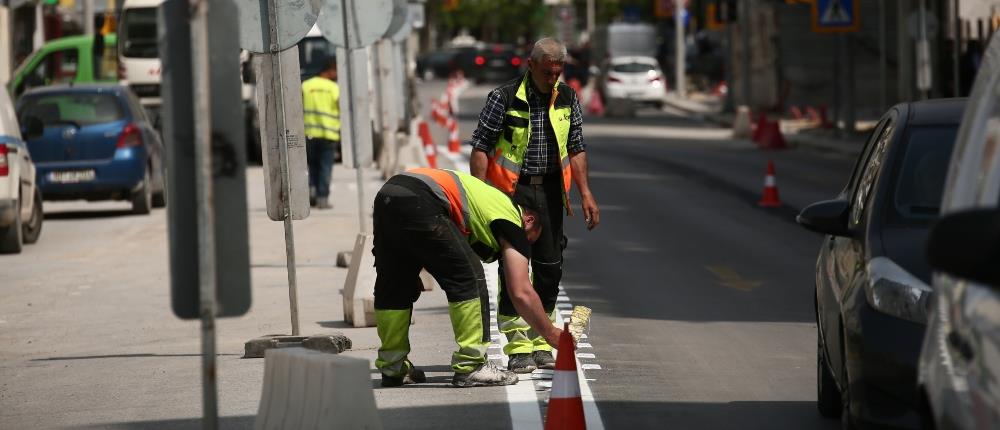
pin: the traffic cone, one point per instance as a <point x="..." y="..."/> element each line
<point x="595" y="106"/>
<point x="758" y="127"/>
<point x="565" y="404"/>
<point x="429" y="149"/>
<point x="453" y="142"/>
<point x="770" y="136"/>
<point x="770" y="199"/>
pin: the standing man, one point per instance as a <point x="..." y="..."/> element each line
<point x="447" y="222"/>
<point x="321" y="113"/>
<point x="530" y="143"/>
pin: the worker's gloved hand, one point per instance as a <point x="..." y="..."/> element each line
<point x="552" y="337"/>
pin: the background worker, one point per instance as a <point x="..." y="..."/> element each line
<point x="447" y="222"/>
<point x="530" y="142"/>
<point x="321" y="113"/>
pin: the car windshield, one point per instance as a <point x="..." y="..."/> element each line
<point x="632" y="67"/>
<point x="139" y="33"/>
<point x="925" y="167"/>
<point x="78" y="109"/>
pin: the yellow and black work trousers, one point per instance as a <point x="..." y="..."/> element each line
<point x="546" y="266"/>
<point x="413" y="233"/>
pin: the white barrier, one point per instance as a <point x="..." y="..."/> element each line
<point x="306" y="389"/>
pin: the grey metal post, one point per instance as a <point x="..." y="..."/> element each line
<point x="925" y="93"/>
<point x="883" y="72"/>
<point x="729" y="60"/>
<point x="88" y="17"/>
<point x="591" y="19"/>
<point x="206" y="211"/>
<point x="362" y="224"/>
<point x="744" y="17"/>
<point x="956" y="55"/>
<point x="274" y="49"/>
<point x="679" y="48"/>
<point x="849" y="97"/>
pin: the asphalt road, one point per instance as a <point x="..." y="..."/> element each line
<point x="702" y="301"/>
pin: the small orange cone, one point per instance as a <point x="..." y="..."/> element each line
<point x="770" y="199"/>
<point x="429" y="148"/>
<point x="770" y="136"/>
<point x="565" y="404"/>
<point x="595" y="106"/>
<point x="453" y="142"/>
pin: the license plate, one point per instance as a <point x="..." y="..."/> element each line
<point x="72" y="176"/>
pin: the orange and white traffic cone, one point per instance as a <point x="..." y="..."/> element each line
<point x="565" y="404"/>
<point x="429" y="149"/>
<point x="770" y="199"/>
<point x="453" y="142"/>
<point x="595" y="106"/>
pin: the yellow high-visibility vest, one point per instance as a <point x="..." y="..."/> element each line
<point x="321" y="108"/>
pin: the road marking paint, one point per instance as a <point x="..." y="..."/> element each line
<point x="583" y="335"/>
<point x="591" y="366"/>
<point x="562" y="298"/>
<point x="543" y="385"/>
<point x="727" y="277"/>
<point x="585" y="355"/>
<point x="581" y="345"/>
<point x="565" y="313"/>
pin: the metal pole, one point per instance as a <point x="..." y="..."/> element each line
<point x="591" y="17"/>
<point x="956" y="55"/>
<point x="925" y="92"/>
<point x="206" y="211"/>
<point x="849" y="115"/>
<point x="279" y="90"/>
<point x="729" y="58"/>
<point x="883" y="68"/>
<point x="679" y="48"/>
<point x="88" y="17"/>
<point x="362" y="225"/>
<point x="744" y="17"/>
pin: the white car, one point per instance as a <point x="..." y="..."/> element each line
<point x="959" y="376"/>
<point x="635" y="80"/>
<point x="20" y="201"/>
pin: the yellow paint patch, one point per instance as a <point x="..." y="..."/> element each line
<point x="727" y="277"/>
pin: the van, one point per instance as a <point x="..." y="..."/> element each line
<point x="67" y="60"/>
<point x="138" y="52"/>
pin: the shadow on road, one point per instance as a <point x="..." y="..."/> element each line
<point x="748" y="415"/>
<point x="87" y="214"/>
<point x="142" y="355"/>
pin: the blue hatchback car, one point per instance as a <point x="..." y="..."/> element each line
<point x="94" y="142"/>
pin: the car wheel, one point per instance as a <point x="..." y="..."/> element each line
<point x="827" y="394"/>
<point x="143" y="197"/>
<point x="11" y="237"/>
<point x="33" y="228"/>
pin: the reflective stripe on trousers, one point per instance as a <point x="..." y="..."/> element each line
<point x="466" y="323"/>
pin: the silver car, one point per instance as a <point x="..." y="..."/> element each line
<point x="959" y="375"/>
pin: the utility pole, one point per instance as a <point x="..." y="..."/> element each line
<point x="88" y="17"/>
<point x="744" y="17"/>
<point x="679" y="48"/>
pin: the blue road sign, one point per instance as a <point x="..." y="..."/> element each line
<point x="835" y="16"/>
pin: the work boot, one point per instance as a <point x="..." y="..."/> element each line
<point x="544" y="359"/>
<point x="486" y="375"/>
<point x="521" y="363"/>
<point x="412" y="376"/>
<point x="323" y="203"/>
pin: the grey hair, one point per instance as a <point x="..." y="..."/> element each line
<point x="548" y="48"/>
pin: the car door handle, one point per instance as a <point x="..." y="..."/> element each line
<point x="961" y="345"/>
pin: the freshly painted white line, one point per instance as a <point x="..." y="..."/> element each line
<point x="591" y="366"/>
<point x="585" y="355"/>
<point x="583" y="345"/>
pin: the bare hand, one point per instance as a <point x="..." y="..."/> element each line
<point x="591" y="213"/>
<point x="553" y="337"/>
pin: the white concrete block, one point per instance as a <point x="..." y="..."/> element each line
<point x="305" y="389"/>
<point x="359" y="287"/>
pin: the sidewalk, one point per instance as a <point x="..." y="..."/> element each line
<point x="796" y="133"/>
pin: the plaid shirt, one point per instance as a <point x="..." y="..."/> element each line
<point x="540" y="157"/>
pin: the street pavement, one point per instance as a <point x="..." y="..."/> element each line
<point x="702" y="301"/>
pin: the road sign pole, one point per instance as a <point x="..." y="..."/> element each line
<point x="351" y="112"/>
<point x="206" y="214"/>
<point x="679" y="47"/>
<point x="744" y="17"/>
<point x="278" y="88"/>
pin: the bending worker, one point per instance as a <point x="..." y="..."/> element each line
<point x="447" y="222"/>
<point x="529" y="142"/>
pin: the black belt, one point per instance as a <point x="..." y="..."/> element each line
<point x="538" y="179"/>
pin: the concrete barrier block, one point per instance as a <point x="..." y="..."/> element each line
<point x="305" y="389"/>
<point x="741" y="123"/>
<point x="359" y="287"/>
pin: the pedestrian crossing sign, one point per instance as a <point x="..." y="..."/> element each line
<point x="835" y="16"/>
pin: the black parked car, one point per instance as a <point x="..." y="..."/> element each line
<point x="872" y="278"/>
<point x="443" y="62"/>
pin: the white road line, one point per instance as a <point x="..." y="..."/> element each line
<point x="590" y="412"/>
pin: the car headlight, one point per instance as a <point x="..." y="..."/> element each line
<point x="894" y="291"/>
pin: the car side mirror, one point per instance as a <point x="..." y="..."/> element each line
<point x="33" y="127"/>
<point x="827" y="217"/>
<point x="967" y="244"/>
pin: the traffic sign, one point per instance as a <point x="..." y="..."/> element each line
<point x="368" y="22"/>
<point x="294" y="19"/>
<point x="836" y="16"/>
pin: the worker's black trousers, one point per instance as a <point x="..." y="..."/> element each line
<point x="546" y="252"/>
<point x="411" y="234"/>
